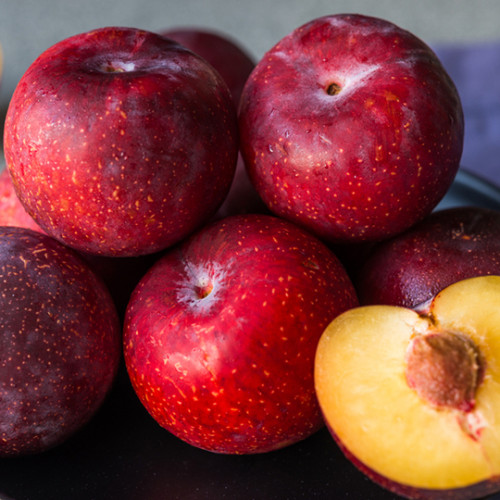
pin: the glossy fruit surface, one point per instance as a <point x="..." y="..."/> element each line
<point x="447" y="246"/>
<point x="220" y="334"/>
<point x="351" y="127"/>
<point x="121" y="142"/>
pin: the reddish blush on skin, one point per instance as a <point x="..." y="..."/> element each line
<point x="121" y="142"/>
<point x="351" y="127"/>
<point x="220" y="334"/>
<point x="12" y="212"/>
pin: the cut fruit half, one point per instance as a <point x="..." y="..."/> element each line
<point x="421" y="421"/>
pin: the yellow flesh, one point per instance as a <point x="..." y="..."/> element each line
<point x="361" y="387"/>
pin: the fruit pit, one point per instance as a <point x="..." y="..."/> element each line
<point x="445" y="369"/>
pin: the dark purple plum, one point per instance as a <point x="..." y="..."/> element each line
<point x="447" y="246"/>
<point x="60" y="342"/>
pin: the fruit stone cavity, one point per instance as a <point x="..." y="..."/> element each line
<point x="445" y="369"/>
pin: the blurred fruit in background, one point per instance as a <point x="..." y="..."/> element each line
<point x="234" y="64"/>
<point x="226" y="55"/>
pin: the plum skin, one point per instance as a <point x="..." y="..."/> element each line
<point x="60" y="340"/>
<point x="121" y="142"/>
<point x="351" y="127"/>
<point x="220" y="334"/>
<point x="445" y="247"/>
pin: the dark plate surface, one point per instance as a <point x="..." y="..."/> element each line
<point x="123" y="454"/>
<point x="470" y="189"/>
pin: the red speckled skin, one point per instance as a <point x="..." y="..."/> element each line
<point x="233" y="372"/>
<point x="60" y="342"/>
<point x="447" y="246"/>
<point x="363" y="164"/>
<point x="120" y="275"/>
<point x="121" y="142"/>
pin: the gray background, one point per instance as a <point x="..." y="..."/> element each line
<point x="28" y="27"/>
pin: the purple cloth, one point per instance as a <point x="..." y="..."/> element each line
<point x="475" y="69"/>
